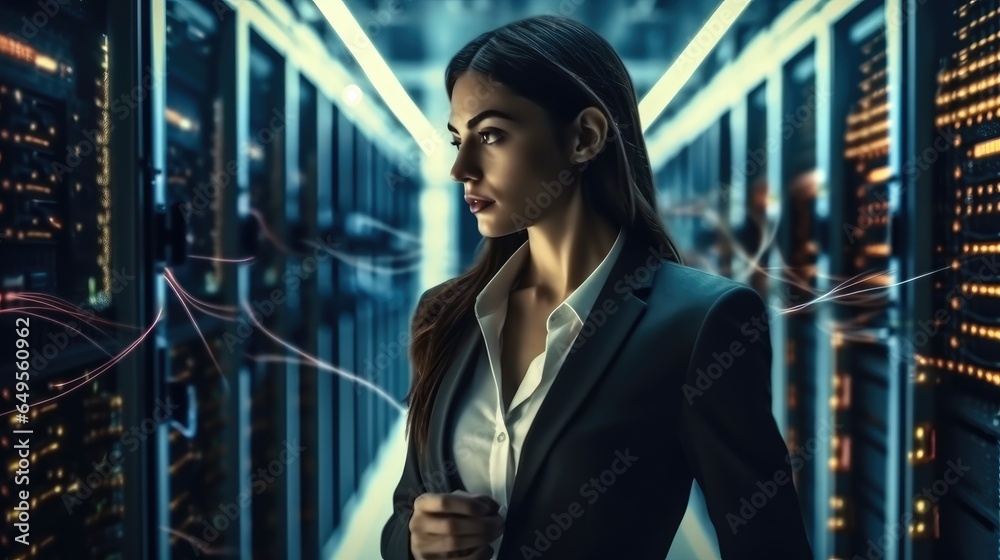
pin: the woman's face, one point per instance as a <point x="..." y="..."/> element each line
<point x="507" y="153"/>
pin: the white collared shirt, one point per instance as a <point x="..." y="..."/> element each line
<point x="487" y="441"/>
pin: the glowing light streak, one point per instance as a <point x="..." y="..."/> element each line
<point x="168" y="275"/>
<point x="222" y="260"/>
<point x="321" y="364"/>
<point x="90" y="376"/>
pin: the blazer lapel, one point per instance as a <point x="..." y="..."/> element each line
<point x="443" y="409"/>
<point x="585" y="365"/>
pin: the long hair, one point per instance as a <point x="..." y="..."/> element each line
<point x="563" y="66"/>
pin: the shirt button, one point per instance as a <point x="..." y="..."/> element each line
<point x="503" y="510"/>
<point x="502" y="437"/>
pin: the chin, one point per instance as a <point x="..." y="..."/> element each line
<point x="488" y="230"/>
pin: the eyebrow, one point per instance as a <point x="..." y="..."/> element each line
<point x="485" y="115"/>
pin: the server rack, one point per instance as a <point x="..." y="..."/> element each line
<point x="957" y="346"/>
<point x="327" y="492"/>
<point x="210" y="132"/>
<point x="723" y="200"/>
<point x="756" y="229"/>
<point x="67" y="129"/>
<point x="195" y="356"/>
<point x="346" y="446"/>
<point x="694" y="199"/>
<point x="906" y="149"/>
<point x="266" y="380"/>
<point x="307" y="324"/>
<point x="801" y="242"/>
<point x="866" y="380"/>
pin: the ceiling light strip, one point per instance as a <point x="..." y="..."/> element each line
<point x="381" y="77"/>
<point x="664" y="90"/>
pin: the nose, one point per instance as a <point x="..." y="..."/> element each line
<point x="465" y="169"/>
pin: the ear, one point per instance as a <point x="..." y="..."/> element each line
<point x="589" y="134"/>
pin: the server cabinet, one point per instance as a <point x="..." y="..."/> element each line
<point x="345" y="454"/>
<point x="166" y="192"/>
<point x="266" y="145"/>
<point x="313" y="468"/>
<point x="756" y="234"/>
<point x="957" y="346"/>
<point x="71" y="292"/>
<point x="693" y="198"/>
<point x="864" y="467"/>
<point x="800" y="238"/>
<point x="198" y="280"/>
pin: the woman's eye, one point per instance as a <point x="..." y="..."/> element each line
<point x="487" y="133"/>
<point x="484" y="135"/>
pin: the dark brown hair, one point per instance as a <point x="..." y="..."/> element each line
<point x="563" y="66"/>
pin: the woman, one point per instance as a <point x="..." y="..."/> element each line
<point x="570" y="386"/>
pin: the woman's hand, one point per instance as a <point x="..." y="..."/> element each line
<point x="456" y="525"/>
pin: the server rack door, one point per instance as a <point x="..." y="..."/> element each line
<point x="862" y="380"/>
<point x="720" y="196"/>
<point x="308" y="326"/>
<point x="346" y="422"/>
<point x="923" y="151"/>
<point x="378" y="260"/>
<point x="362" y="153"/>
<point x="326" y="397"/>
<point x="199" y="187"/>
<point x="266" y="155"/>
<point x="345" y="301"/>
<point x="800" y="244"/>
<point x="755" y="233"/>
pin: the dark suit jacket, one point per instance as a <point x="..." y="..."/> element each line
<point x="670" y="383"/>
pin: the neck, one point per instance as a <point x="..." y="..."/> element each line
<point x="564" y="251"/>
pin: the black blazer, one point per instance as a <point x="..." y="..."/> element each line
<point x="671" y="384"/>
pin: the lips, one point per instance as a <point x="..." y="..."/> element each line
<point x="477" y="204"/>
